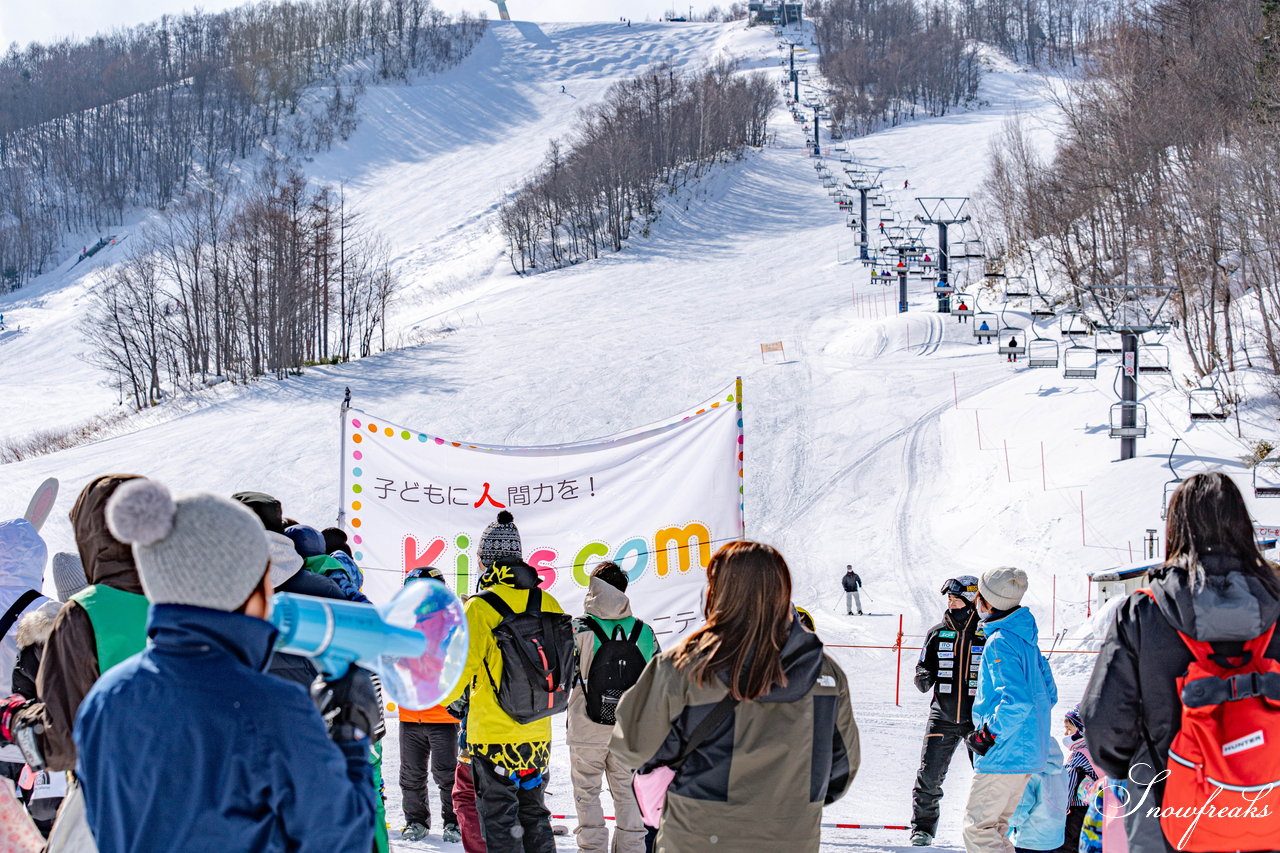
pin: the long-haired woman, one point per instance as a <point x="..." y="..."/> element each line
<point x="1214" y="587"/>
<point x="787" y="743"/>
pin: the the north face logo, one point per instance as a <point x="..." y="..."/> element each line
<point x="1241" y="744"/>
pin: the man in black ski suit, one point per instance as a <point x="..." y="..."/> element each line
<point x="852" y="583"/>
<point x="949" y="665"/>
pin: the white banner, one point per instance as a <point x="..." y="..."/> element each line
<point x="657" y="500"/>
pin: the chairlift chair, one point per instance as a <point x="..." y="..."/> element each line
<point x="992" y="322"/>
<point x="1153" y="358"/>
<point x="958" y="251"/>
<point x="1206" y="404"/>
<point x="1042" y="352"/>
<point x="888" y="215"/>
<point x="962" y="299"/>
<point x="1111" y="342"/>
<point x="1266" y="478"/>
<point x="1008" y="340"/>
<point x="1170" y="487"/>
<point x="1041" y="306"/>
<point x="1135" y="413"/>
<point x="975" y="249"/>
<point x="1073" y="323"/>
<point x="1015" y="286"/>
<point x="1080" y="362"/>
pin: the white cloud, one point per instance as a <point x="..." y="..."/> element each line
<point x="48" y="20"/>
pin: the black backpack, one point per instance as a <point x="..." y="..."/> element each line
<point x="537" y="659"/>
<point x="615" y="668"/>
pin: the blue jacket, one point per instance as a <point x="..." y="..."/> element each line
<point x="1039" y="822"/>
<point x="190" y="746"/>
<point x="1016" y="695"/>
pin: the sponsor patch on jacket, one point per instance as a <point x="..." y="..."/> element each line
<point x="946" y="645"/>
<point x="944" y="688"/>
<point x="977" y="650"/>
<point x="946" y="654"/>
<point x="944" y="673"/>
<point x="1250" y="741"/>
<point x="973" y="691"/>
<point x="948" y="634"/>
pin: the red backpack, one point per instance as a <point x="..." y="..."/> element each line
<point x="1225" y="759"/>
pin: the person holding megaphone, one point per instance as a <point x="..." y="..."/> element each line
<point x="190" y="744"/>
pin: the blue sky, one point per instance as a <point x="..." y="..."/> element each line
<point x="44" y="20"/>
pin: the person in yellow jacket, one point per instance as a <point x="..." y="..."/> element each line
<point x="509" y="760"/>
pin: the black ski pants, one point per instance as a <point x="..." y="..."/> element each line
<point x="513" y="819"/>
<point x="940" y="741"/>
<point x="423" y="745"/>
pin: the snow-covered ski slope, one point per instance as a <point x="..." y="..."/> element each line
<point x="862" y="446"/>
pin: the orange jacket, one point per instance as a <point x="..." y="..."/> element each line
<point x="436" y="714"/>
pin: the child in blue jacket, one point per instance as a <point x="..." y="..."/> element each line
<point x="1039" y="821"/>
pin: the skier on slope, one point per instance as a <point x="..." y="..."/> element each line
<point x="851" y="583"/>
<point x="948" y="665"/>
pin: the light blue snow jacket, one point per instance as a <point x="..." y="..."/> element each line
<point x="1016" y="695"/>
<point x="1040" y="820"/>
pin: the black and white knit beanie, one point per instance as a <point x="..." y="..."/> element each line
<point x="500" y="539"/>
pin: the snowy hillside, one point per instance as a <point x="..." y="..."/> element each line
<point x="895" y="443"/>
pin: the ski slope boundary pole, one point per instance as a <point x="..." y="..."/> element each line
<point x="897" y="683"/>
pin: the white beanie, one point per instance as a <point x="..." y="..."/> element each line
<point x="201" y="549"/>
<point x="1003" y="587"/>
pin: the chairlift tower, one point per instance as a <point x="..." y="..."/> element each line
<point x="862" y="180"/>
<point x="906" y="243"/>
<point x="795" y="75"/>
<point x="1130" y="310"/>
<point x="502" y="9"/>
<point x="943" y="211"/>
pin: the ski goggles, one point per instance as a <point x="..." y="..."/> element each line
<point x="960" y="587"/>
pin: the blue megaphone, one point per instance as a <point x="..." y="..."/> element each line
<point x="416" y="643"/>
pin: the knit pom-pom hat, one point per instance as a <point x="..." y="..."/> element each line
<point x="500" y="539"/>
<point x="198" y="549"/>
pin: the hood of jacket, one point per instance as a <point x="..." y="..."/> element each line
<point x="36" y="625"/>
<point x="23" y="554"/>
<point x="606" y="601"/>
<point x="517" y="575"/>
<point x="1018" y="623"/>
<point x="1231" y="605"/>
<point x="106" y="560"/>
<point x="182" y="629"/>
<point x="802" y="662"/>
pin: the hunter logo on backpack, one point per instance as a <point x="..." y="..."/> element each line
<point x="1224" y="762"/>
<point x="615" y="667"/>
<point x="537" y="659"/>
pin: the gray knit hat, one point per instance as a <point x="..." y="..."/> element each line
<point x="500" y="539"/>
<point x="285" y="559"/>
<point x="201" y="549"/>
<point x="1003" y="587"/>
<point x="68" y="574"/>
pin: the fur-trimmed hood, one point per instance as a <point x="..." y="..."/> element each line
<point x="34" y="627"/>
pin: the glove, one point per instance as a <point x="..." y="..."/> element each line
<point x="349" y="705"/>
<point x="980" y="741"/>
<point x="25" y="735"/>
<point x="8" y="709"/>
